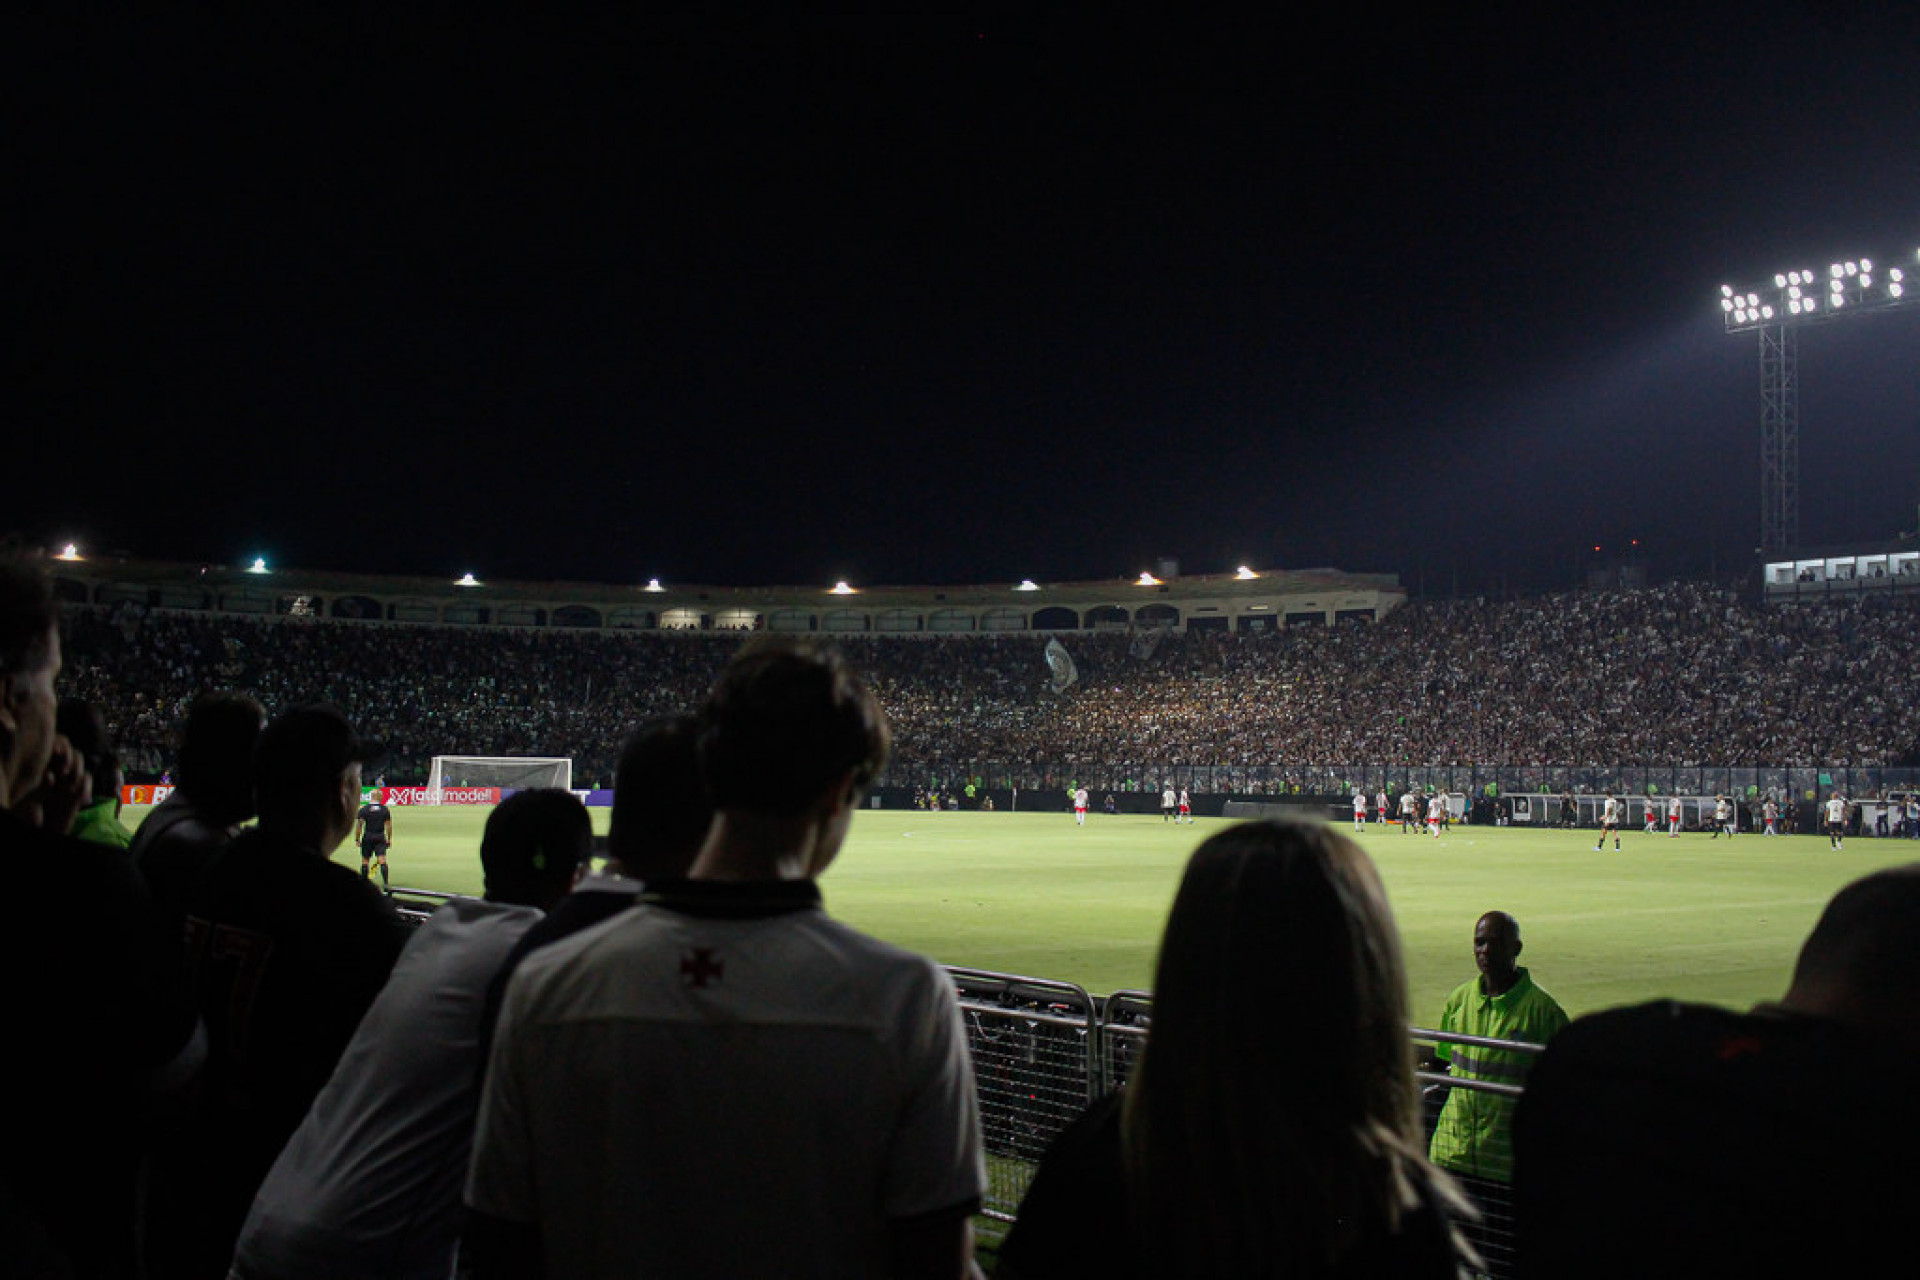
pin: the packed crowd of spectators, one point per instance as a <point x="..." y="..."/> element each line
<point x="1680" y="674"/>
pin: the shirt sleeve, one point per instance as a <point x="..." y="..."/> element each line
<point x="936" y="1162"/>
<point x="500" y="1179"/>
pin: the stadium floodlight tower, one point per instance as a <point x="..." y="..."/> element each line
<point x="1776" y="311"/>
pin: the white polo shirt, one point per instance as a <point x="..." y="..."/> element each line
<point x="725" y="1082"/>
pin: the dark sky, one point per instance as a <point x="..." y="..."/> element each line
<point x="972" y="294"/>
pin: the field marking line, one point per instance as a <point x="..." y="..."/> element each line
<point x="1772" y="904"/>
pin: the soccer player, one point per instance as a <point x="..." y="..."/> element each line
<point x="1673" y="816"/>
<point x="1770" y="812"/>
<point x="1359" y="811"/>
<point x="1610" y="823"/>
<point x="1380" y="808"/>
<point x="1080" y="807"/>
<point x="1653" y="819"/>
<point x="373" y="832"/>
<point x="1722" y="817"/>
<point x="1186" y="806"/>
<point x="1836" y="820"/>
<point x="1409" y="811"/>
<point x="1436" y="814"/>
<point x="1167" y="803"/>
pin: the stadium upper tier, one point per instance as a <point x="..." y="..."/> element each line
<point x="1680" y="674"/>
<point x="1245" y="601"/>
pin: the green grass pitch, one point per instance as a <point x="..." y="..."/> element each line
<point x="1695" y="918"/>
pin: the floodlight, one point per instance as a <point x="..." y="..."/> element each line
<point x="1245" y="574"/>
<point x="653" y="584"/>
<point x="841" y="589"/>
<point x="1779" y="281"/>
<point x="467" y="580"/>
<point x="1894" y="290"/>
<point x="1726" y="291"/>
<point x="1866" y="264"/>
<point x="1026" y="584"/>
<point x="1146" y="580"/>
<point x="259" y="565"/>
<point x="69" y="552"/>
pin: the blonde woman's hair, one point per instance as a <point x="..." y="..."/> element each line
<point x="1271" y="1123"/>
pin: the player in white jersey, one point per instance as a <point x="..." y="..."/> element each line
<point x="1610" y="823"/>
<point x="1080" y="807"/>
<point x="1359" y="811"/>
<point x="1436" y="813"/>
<point x="1770" y="812"/>
<point x="1836" y="820"/>
<point x="1674" y="811"/>
<point x="1186" y="807"/>
<point x="1722" y="817"/>
<point x="1653" y="819"/>
<point x="1380" y="807"/>
<point x="1409" y="812"/>
<point x="1166" y="805"/>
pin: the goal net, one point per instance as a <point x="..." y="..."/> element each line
<point x="509" y="773"/>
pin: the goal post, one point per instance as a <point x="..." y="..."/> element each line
<point x="509" y="773"/>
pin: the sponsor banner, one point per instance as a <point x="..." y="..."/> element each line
<point x="145" y="794"/>
<point x="597" y="799"/>
<point x="448" y="795"/>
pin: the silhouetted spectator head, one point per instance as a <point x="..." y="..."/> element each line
<point x="85" y="730"/>
<point x="1861" y="964"/>
<point x="786" y="722"/>
<point x="29" y="663"/>
<point x="306" y="774"/>
<point x="660" y="807"/>
<point x="533" y="845"/>
<point x="216" y="755"/>
<point x="1269" y="1145"/>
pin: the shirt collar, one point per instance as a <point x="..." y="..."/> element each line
<point x="732" y="899"/>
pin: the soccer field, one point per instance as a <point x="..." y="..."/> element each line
<point x="1695" y="918"/>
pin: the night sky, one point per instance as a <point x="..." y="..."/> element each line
<point x="973" y="294"/>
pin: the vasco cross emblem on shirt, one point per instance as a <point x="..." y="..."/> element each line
<point x="699" y="967"/>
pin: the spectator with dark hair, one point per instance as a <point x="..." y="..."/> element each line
<point x="103" y="1031"/>
<point x="660" y="818"/>
<point x="369" y="1184"/>
<point x="1247" y="1144"/>
<point x="98" y="821"/>
<point x="286" y="950"/>
<point x="1677" y="1139"/>
<point x="723" y="1081"/>
<point x="214" y="795"/>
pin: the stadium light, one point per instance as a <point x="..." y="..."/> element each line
<point x="467" y="580"/>
<point x="1853" y="286"/>
<point x="259" y="565"/>
<point x="1146" y="580"/>
<point x="653" y="584"/>
<point x="842" y="589"/>
<point x="1245" y="574"/>
<point x="1026" y="584"/>
<point x="70" y="552"/>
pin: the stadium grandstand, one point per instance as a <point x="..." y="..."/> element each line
<point x="1256" y="684"/>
